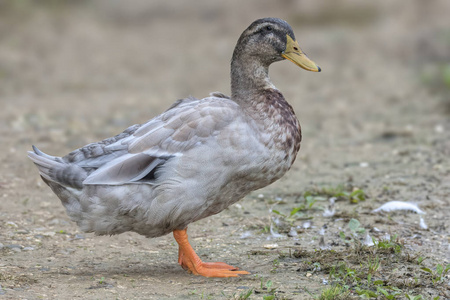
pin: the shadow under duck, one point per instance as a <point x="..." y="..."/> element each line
<point x="192" y="161"/>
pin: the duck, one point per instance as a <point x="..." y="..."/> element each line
<point x="192" y="161"/>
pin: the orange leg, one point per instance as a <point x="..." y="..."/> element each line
<point x="190" y="261"/>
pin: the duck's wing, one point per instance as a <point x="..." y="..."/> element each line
<point x="97" y="154"/>
<point x="94" y="155"/>
<point x="184" y="126"/>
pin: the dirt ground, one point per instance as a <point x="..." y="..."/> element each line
<point x="377" y="119"/>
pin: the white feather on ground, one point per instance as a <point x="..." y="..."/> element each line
<point x="399" y="205"/>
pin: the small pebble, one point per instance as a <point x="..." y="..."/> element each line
<point x="439" y="128"/>
<point x="54" y="222"/>
<point x="79" y="237"/>
<point x="49" y="233"/>
<point x="66" y="251"/>
<point x="246" y="235"/>
<point x="292" y="232"/>
<point x="12" y="224"/>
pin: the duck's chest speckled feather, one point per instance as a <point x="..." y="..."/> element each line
<point x="279" y="125"/>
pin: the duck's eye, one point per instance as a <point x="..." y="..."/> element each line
<point x="269" y="28"/>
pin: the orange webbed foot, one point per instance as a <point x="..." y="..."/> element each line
<point x="219" y="265"/>
<point x="190" y="261"/>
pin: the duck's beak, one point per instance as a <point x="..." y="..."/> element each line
<point x="296" y="55"/>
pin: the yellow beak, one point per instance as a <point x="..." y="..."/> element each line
<point x="296" y="55"/>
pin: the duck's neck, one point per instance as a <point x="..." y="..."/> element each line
<point x="249" y="77"/>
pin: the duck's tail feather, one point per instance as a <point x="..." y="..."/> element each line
<point x="54" y="169"/>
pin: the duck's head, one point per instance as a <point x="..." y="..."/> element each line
<point x="271" y="40"/>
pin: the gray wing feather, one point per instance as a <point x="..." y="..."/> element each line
<point x="130" y="168"/>
<point x="55" y="169"/>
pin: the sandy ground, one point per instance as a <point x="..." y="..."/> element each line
<point x="377" y="119"/>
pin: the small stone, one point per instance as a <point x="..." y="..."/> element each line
<point x="12" y="224"/>
<point x="77" y="237"/>
<point x="66" y="251"/>
<point x="271" y="246"/>
<point x="246" y="235"/>
<point x="439" y="128"/>
<point x="292" y="232"/>
<point x="49" y="233"/>
<point x="54" y="222"/>
<point x="57" y="222"/>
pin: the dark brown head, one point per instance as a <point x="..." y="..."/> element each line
<point x="271" y="40"/>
